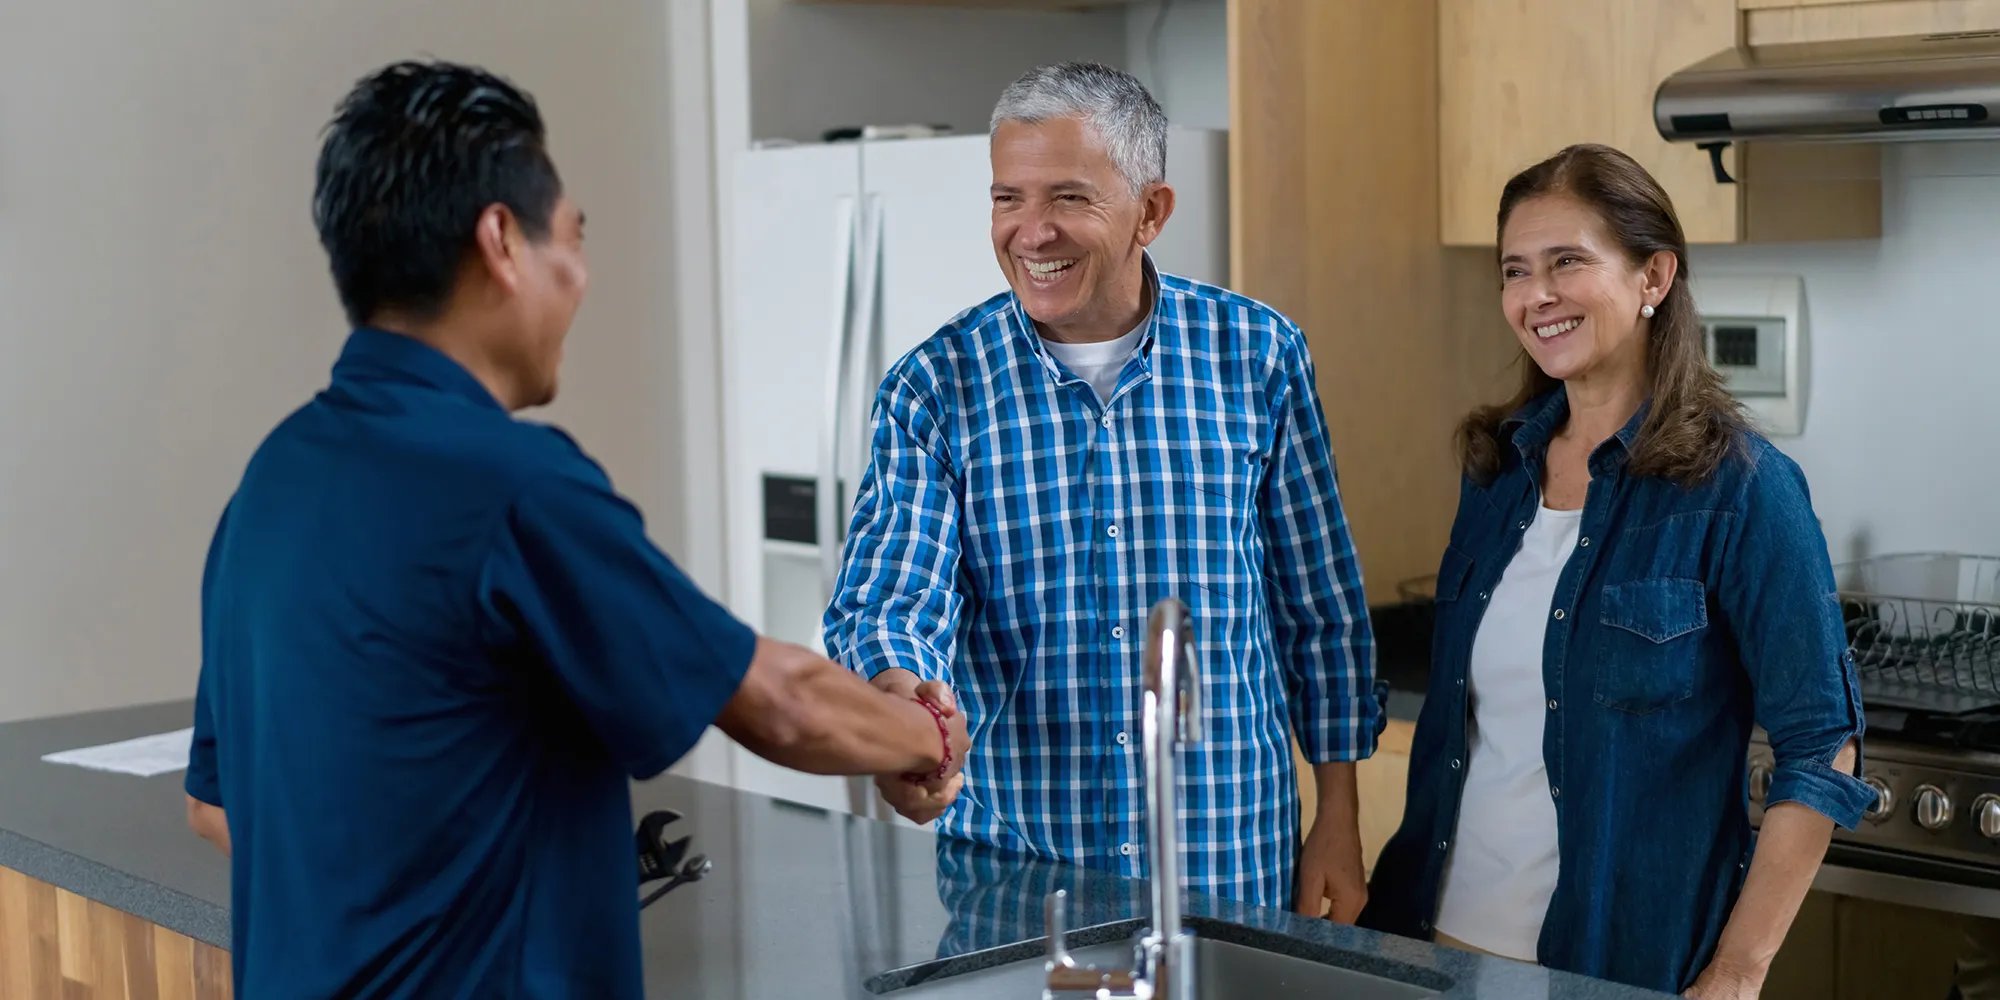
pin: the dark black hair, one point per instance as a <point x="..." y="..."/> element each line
<point x="414" y="153"/>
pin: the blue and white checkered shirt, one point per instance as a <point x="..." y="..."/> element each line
<point x="1011" y="534"/>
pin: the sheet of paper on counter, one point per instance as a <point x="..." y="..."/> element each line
<point x="145" y="756"/>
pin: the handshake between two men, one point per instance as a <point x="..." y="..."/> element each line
<point x="923" y="798"/>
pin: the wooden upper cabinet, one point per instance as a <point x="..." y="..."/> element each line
<point x="1774" y="22"/>
<point x="1520" y="79"/>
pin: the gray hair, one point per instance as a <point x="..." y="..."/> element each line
<point x="1112" y="103"/>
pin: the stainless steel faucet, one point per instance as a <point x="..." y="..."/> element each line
<point x="1163" y="954"/>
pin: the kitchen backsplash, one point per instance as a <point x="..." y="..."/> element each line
<point x="1902" y="433"/>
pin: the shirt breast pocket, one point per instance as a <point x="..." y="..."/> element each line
<point x="1650" y="642"/>
<point x="1212" y="517"/>
<point x="1216" y="471"/>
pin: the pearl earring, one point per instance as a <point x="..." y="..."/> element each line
<point x="1646" y="311"/>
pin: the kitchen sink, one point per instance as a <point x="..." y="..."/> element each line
<point x="1231" y="962"/>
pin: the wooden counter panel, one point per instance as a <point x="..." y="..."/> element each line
<point x="57" y="945"/>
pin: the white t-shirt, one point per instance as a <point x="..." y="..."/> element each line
<point x="1101" y="363"/>
<point x="1501" y="870"/>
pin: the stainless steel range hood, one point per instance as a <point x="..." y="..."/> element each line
<point x="1893" y="89"/>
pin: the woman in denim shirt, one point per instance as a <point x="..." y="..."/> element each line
<point x="1657" y="583"/>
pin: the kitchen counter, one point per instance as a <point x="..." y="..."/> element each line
<point x="802" y="902"/>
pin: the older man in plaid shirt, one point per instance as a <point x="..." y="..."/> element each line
<point x="1058" y="458"/>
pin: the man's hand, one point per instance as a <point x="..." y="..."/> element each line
<point x="209" y="822"/>
<point x="1330" y="880"/>
<point x="1331" y="883"/>
<point x="923" y="802"/>
<point x="919" y="803"/>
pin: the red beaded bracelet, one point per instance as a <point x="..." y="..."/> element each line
<point x="917" y="777"/>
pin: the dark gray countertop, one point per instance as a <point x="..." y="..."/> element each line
<point x="802" y="902"/>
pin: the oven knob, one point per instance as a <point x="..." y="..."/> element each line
<point x="1933" y="808"/>
<point x="1760" y="782"/>
<point x="1986" y="812"/>
<point x="1885" y="800"/>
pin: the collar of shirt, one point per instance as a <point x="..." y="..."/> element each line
<point x="373" y="354"/>
<point x="1025" y="325"/>
<point x="1533" y="426"/>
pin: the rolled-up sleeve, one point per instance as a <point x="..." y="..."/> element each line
<point x="1778" y="591"/>
<point x="895" y="602"/>
<point x="1313" y="581"/>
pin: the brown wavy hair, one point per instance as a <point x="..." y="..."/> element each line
<point x="1694" y="421"/>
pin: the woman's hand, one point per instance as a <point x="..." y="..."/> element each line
<point x="1722" y="981"/>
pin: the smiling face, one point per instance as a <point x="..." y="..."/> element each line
<point x="1068" y="230"/>
<point x="1572" y="294"/>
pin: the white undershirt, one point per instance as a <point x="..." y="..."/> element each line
<point x="1501" y="869"/>
<point x="1099" y="363"/>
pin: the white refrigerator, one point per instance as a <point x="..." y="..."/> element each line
<point x="841" y="258"/>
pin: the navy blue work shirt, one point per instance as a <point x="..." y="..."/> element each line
<point x="435" y="645"/>
<point x="1684" y="617"/>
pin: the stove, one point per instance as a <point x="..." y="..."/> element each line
<point x="1924" y="630"/>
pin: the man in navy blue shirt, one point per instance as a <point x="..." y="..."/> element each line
<point x="436" y="644"/>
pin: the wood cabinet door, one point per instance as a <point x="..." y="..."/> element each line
<point x="1520" y="79"/>
<point x="1775" y="22"/>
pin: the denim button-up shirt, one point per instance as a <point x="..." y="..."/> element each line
<point x="1684" y="617"/>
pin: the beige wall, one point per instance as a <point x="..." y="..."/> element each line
<point x="163" y="300"/>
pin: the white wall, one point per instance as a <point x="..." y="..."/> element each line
<point x="166" y="301"/>
<point x="1180" y="50"/>
<point x="814" y="67"/>
<point x="1902" y="435"/>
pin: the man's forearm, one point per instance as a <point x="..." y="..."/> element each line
<point x="871" y="732"/>
<point x="1331" y="882"/>
<point x="1339" y="796"/>
<point x="807" y="713"/>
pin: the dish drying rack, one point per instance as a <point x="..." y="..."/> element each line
<point x="1924" y="630"/>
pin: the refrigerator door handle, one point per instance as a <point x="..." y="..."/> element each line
<point x="861" y="346"/>
<point x="857" y="337"/>
<point x="839" y="347"/>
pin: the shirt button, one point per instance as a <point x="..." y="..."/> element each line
<point x="1442" y="845"/>
<point x="1560" y="615"/>
<point x="1483" y="595"/>
<point x="1125" y="849"/>
<point x="1454" y="763"/>
<point x="1122" y="739"/>
<point x="1585" y="542"/>
<point x="1106" y="421"/>
<point x="1117" y="631"/>
<point x="1461" y="682"/>
<point x="1523" y="526"/>
<point x="1552" y="704"/>
<point x="1112" y="531"/>
<point x="1554" y="792"/>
